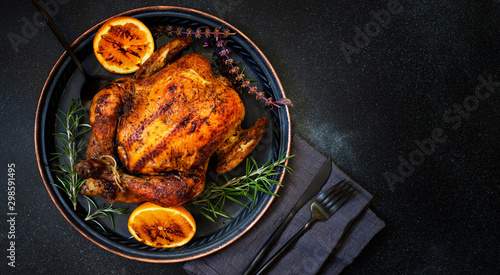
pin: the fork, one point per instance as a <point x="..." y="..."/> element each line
<point x="322" y="209"/>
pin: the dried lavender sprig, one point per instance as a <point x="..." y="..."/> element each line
<point x="245" y="83"/>
<point x="198" y="33"/>
<point x="235" y="70"/>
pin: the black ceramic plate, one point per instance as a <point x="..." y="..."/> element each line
<point x="63" y="85"/>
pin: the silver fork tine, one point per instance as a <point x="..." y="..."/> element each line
<point x="331" y="191"/>
<point x="346" y="194"/>
<point x="341" y="193"/>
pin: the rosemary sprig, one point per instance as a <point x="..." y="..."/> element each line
<point x="69" y="149"/>
<point x="71" y="145"/>
<point x="104" y="212"/>
<point x="210" y="202"/>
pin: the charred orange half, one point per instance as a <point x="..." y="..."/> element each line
<point x="163" y="227"/>
<point x="122" y="44"/>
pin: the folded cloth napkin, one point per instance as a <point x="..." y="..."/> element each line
<point x="326" y="248"/>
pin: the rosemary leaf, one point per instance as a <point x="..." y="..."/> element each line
<point x="211" y="201"/>
<point x="103" y="212"/>
<point x="71" y="145"/>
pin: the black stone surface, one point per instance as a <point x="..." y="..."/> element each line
<point x="370" y="81"/>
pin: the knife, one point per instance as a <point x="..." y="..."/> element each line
<point x="314" y="187"/>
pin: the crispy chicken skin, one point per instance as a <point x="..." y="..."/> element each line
<point x="159" y="129"/>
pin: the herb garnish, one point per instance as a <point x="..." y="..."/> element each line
<point x="211" y="201"/>
<point x="232" y="72"/>
<point x="104" y="212"/>
<point x="72" y="144"/>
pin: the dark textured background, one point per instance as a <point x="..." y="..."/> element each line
<point x="365" y="114"/>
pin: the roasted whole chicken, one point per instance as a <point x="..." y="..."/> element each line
<point x="154" y="134"/>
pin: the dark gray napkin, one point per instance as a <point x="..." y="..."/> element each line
<point x="326" y="248"/>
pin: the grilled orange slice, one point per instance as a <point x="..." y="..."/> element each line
<point x="122" y="44"/>
<point x="163" y="227"/>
